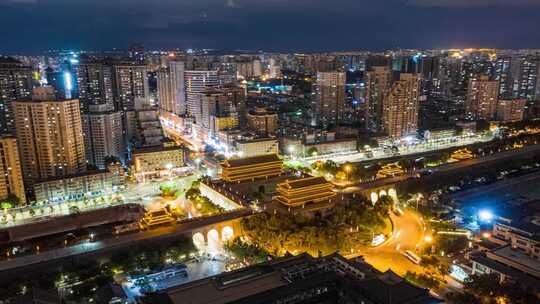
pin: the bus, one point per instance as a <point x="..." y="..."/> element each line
<point x="412" y="256"/>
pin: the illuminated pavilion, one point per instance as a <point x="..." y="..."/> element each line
<point x="461" y="154"/>
<point x="156" y="218"/>
<point x="251" y="168"/>
<point x="308" y="190"/>
<point x="392" y="169"/>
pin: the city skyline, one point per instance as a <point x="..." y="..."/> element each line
<point x="274" y="26"/>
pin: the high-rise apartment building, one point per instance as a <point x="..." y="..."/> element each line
<point x="528" y="78"/>
<point x="482" y="96"/>
<point x="377" y="84"/>
<point x="15" y="84"/>
<point x="95" y="84"/>
<point x="102" y="123"/>
<point x="209" y="103"/>
<point x="329" y="99"/>
<point x="198" y="82"/>
<point x="49" y="135"/>
<point x="131" y="81"/>
<point x="103" y="136"/>
<point x="11" y="176"/>
<point x="171" y="88"/>
<point x="511" y="109"/>
<point x="400" y="106"/>
<point x="502" y="74"/>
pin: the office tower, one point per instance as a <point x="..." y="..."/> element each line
<point x="15" y="84"/>
<point x="103" y="135"/>
<point x="502" y="74"/>
<point x="198" y="82"/>
<point x="102" y="123"/>
<point x="329" y="90"/>
<point x="377" y="84"/>
<point x="171" y="88"/>
<point x="511" y="110"/>
<point x="49" y="135"/>
<point x="11" y="177"/>
<point x="400" y="106"/>
<point x="482" y="98"/>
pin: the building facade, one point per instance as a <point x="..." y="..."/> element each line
<point x="50" y="137"/>
<point x="482" y="97"/>
<point x="400" y="107"/>
<point x="79" y="187"/>
<point x="15" y="84"/>
<point x="11" y="176"/>
<point x="329" y="99"/>
<point x="262" y="121"/>
<point x="198" y="82"/>
<point x="154" y="160"/>
<point x="378" y="83"/>
<point x="511" y="110"/>
<point x="171" y="88"/>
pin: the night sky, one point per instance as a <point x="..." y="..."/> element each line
<point x="32" y="26"/>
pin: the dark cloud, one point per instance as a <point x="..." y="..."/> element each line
<point x="284" y="25"/>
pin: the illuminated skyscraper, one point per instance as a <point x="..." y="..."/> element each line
<point x="329" y="99"/>
<point x="198" y="82"/>
<point x="482" y="98"/>
<point x="11" y="177"/>
<point x="95" y="84"/>
<point x="400" y="106"/>
<point x="15" y="84"/>
<point x="171" y="88"/>
<point x="378" y="82"/>
<point x="50" y="136"/>
<point x="102" y="123"/>
<point x="130" y="82"/>
<point x="502" y="74"/>
<point x="103" y="135"/>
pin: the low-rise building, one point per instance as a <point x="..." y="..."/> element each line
<point x="330" y="147"/>
<point x="298" y="279"/>
<point x="251" y="168"/>
<point x="80" y="186"/>
<point x="154" y="160"/>
<point x="514" y="255"/>
<point x="257" y="146"/>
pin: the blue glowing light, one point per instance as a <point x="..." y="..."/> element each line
<point x="67" y="81"/>
<point x="485" y="215"/>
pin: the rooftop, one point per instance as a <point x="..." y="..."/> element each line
<point x="304" y="182"/>
<point x="238" y="162"/>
